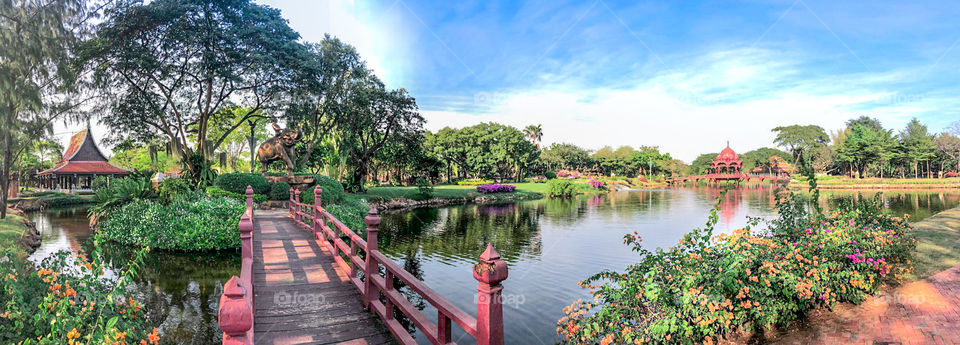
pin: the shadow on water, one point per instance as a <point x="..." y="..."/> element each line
<point x="180" y="291"/>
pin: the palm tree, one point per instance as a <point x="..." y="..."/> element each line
<point x="534" y="133"/>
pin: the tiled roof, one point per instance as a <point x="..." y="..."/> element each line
<point x="85" y="168"/>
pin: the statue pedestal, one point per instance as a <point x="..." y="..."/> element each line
<point x="300" y="182"/>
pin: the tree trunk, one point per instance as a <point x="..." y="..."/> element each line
<point x="5" y="173"/>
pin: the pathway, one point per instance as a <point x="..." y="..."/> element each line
<point x="926" y="311"/>
<point x="301" y="295"/>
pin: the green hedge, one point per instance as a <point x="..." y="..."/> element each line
<point x="184" y="225"/>
<point x="215" y="192"/>
<point x="562" y="188"/>
<point x="238" y="182"/>
<point x="280" y="191"/>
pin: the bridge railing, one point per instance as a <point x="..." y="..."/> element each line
<point x="347" y="247"/>
<point x="235" y="314"/>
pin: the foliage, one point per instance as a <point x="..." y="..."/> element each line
<point x="486" y="150"/>
<point x="200" y="171"/>
<point x="496" y="188"/>
<point x="710" y="287"/>
<point x="172" y="189"/>
<point x="142" y="157"/>
<point x="424" y="187"/>
<point x="70" y="300"/>
<point x="549" y="174"/>
<point x="238" y="182"/>
<point x="801" y="140"/>
<point x="280" y="191"/>
<point x="216" y="192"/>
<point x="566" y="156"/>
<point x="332" y="190"/>
<point x="568" y="174"/>
<point x="118" y="191"/>
<point x="185" y="225"/>
<point x="561" y="188"/>
<point x="473" y="182"/>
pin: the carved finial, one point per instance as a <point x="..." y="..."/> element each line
<point x="489" y="254"/>
<point x="235" y="314"/>
<point x="372" y="220"/>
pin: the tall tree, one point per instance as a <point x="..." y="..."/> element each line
<point x="171" y="66"/>
<point x="948" y="146"/>
<point x="35" y="65"/>
<point x="534" y="134"/>
<point x="801" y="140"/>
<point x="918" y="144"/>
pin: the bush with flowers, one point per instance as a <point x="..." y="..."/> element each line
<point x="69" y="299"/>
<point x="496" y="188"/>
<point x="596" y="184"/>
<point x="568" y="174"/>
<point x="951" y="174"/>
<point x="708" y="288"/>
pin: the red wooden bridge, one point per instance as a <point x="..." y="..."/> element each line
<point x="728" y="177"/>
<point x="305" y="278"/>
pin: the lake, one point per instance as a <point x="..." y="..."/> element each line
<point x="549" y="244"/>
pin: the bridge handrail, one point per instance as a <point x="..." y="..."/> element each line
<point x="236" y="311"/>
<point x="486" y="327"/>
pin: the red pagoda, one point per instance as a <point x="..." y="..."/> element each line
<point x="81" y="163"/>
<point x="726" y="163"/>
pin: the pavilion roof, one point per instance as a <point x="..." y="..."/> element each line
<point x="83" y="157"/>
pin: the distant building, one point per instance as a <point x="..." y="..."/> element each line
<point x="81" y="163"/>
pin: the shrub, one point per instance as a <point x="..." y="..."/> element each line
<point x="238" y="182"/>
<point x="118" y="192"/>
<point x="596" y="184"/>
<point x="70" y="300"/>
<point x="424" y="188"/>
<point x="188" y="225"/>
<point x="496" y="188"/>
<point x="332" y="190"/>
<point x="280" y="191"/>
<point x="568" y="174"/>
<point x="550" y="175"/>
<point x="215" y="192"/>
<point x="952" y="174"/>
<point x="172" y="189"/>
<point x="706" y="288"/>
<point x="561" y="188"/>
<point x="473" y="182"/>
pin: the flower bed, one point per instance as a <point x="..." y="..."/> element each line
<point x="952" y="174"/>
<point x="596" y="184"/>
<point x="711" y="287"/>
<point x="568" y="174"/>
<point x="496" y="188"/>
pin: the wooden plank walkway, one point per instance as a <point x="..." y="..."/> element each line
<point x="301" y="295"/>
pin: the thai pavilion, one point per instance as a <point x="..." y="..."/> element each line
<point x="81" y="163"/>
<point x="727" y="163"/>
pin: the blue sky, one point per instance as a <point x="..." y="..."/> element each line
<point x="684" y="75"/>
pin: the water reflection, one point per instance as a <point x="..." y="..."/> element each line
<point x="180" y="291"/>
<point x="551" y="244"/>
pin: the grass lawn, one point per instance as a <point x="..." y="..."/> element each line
<point x="11" y="230"/>
<point x="846" y="181"/>
<point x="938" y="246"/>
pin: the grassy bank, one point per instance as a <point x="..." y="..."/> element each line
<point x="524" y="190"/>
<point x="938" y="246"/>
<point x="840" y="182"/>
<point x="36" y="201"/>
<point x="12" y="229"/>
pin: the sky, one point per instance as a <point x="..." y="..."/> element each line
<point x="685" y="76"/>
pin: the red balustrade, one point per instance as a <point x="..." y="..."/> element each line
<point x="235" y="315"/>
<point x="346" y="247"/>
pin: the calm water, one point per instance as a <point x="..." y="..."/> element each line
<point x="550" y="245"/>
<point x="180" y="292"/>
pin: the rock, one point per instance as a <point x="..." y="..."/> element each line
<point x="31" y="239"/>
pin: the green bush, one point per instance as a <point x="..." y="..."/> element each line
<point x="332" y="190"/>
<point x="561" y="188"/>
<point x="238" y="182"/>
<point x="473" y="182"/>
<point x="709" y="288"/>
<point x="118" y="192"/>
<point x="280" y="191"/>
<point x="216" y="192"/>
<point x="67" y="299"/>
<point x="424" y="188"/>
<point x="172" y="189"/>
<point x="550" y="175"/>
<point x="185" y="225"/>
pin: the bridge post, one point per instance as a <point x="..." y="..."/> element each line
<point x="370" y="268"/>
<point x="250" y="200"/>
<point x="236" y="313"/>
<point x="290" y="203"/>
<point x="296" y="207"/>
<point x="317" y="210"/>
<point x="490" y="271"/>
